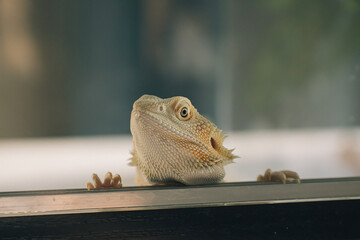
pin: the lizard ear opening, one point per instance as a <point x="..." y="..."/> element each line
<point x="213" y="143"/>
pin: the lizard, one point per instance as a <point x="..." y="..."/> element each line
<point x="173" y="142"/>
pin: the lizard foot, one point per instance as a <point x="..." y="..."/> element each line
<point x="282" y="176"/>
<point x="109" y="181"/>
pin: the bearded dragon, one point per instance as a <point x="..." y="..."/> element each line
<point x="173" y="142"/>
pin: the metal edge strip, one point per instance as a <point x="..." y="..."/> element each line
<point x="172" y="198"/>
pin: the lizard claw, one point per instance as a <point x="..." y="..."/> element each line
<point x="282" y="176"/>
<point x="109" y="181"/>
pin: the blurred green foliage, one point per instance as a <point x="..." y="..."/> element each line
<point x="298" y="44"/>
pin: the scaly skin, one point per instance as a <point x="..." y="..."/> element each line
<point x="173" y="142"/>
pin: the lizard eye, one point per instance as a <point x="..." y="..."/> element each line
<point x="184" y="112"/>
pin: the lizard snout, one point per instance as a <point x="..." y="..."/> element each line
<point x="144" y="101"/>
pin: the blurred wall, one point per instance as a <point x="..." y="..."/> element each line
<point x="75" y="67"/>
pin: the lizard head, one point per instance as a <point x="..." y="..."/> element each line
<point x="172" y="127"/>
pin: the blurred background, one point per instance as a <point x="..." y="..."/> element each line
<point x="263" y="69"/>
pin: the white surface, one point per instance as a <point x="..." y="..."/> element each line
<point x="311" y="153"/>
<point x="59" y="163"/>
